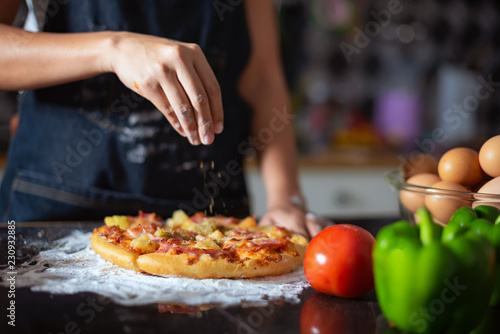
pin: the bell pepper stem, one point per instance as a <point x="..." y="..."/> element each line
<point x="429" y="232"/>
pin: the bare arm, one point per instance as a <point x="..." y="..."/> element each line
<point x="174" y="76"/>
<point x="263" y="85"/>
<point x="34" y="60"/>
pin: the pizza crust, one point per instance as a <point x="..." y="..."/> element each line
<point x="113" y="253"/>
<point x="206" y="267"/>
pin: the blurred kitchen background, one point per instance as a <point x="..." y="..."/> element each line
<point x="373" y="81"/>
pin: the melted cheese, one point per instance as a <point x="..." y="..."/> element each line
<point x="207" y="244"/>
<point x="298" y="239"/>
<point x="234" y="242"/>
<point x="263" y="254"/>
<point x="276" y="233"/>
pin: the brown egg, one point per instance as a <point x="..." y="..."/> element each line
<point x="460" y="165"/>
<point x="419" y="164"/>
<point x="489" y="156"/>
<point x="413" y="199"/>
<point x="491" y="187"/>
<point x="442" y="205"/>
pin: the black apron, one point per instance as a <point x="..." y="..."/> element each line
<point x="93" y="147"/>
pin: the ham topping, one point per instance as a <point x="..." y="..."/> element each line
<point x="143" y="228"/>
<point x="175" y="247"/>
<point x="271" y="243"/>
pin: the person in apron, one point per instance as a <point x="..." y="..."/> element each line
<point x="147" y="105"/>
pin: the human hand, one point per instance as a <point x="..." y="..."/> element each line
<point x="294" y="219"/>
<point x="175" y="77"/>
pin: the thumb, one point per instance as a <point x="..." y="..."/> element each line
<point x="315" y="224"/>
<point x="265" y="220"/>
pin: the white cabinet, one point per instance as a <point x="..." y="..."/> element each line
<point x="336" y="192"/>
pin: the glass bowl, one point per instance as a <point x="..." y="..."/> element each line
<point x="440" y="202"/>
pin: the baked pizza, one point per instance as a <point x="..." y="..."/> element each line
<point x="198" y="246"/>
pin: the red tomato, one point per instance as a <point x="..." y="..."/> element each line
<point x="322" y="314"/>
<point x="338" y="261"/>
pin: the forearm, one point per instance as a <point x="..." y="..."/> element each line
<point x="263" y="86"/>
<point x="173" y="75"/>
<point x="34" y="60"/>
<point x="277" y="157"/>
<point x="279" y="169"/>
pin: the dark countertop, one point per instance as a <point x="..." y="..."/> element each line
<point x="38" y="312"/>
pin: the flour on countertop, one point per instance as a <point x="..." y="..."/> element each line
<point x="71" y="266"/>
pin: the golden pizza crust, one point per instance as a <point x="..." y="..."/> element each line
<point x="206" y="267"/>
<point x="114" y="253"/>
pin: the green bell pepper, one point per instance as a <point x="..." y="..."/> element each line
<point x="490" y="213"/>
<point x="486" y="221"/>
<point x="426" y="284"/>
